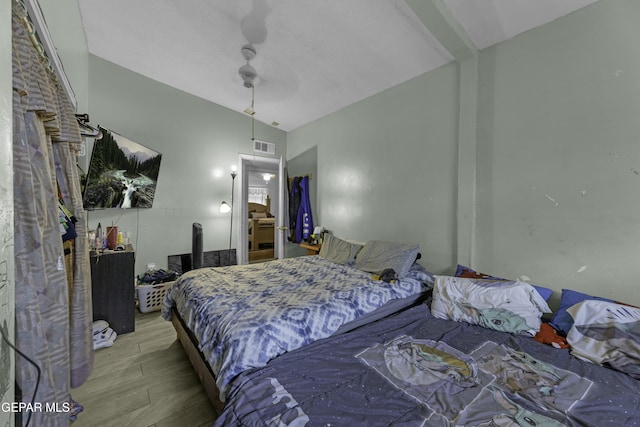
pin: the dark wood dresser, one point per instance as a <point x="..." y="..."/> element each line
<point x="113" y="288"/>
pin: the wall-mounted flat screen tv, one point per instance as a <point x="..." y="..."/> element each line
<point x="122" y="174"/>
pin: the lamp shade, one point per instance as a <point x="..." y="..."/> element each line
<point x="225" y="208"/>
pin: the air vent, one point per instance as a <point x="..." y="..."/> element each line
<point x="264" y="147"/>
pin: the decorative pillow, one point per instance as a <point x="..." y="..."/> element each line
<point x="462" y="271"/>
<point x="505" y="306"/>
<point x="606" y="333"/>
<point x="562" y="321"/>
<point x="377" y="255"/>
<point x="258" y="215"/>
<point x="340" y="251"/>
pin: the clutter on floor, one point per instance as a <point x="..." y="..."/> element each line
<point x="74" y="409"/>
<point x="103" y="335"/>
<point x="152" y="287"/>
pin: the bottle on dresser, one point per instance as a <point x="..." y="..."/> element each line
<point x="99" y="237"/>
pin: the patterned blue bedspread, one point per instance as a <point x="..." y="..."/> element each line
<point x="412" y="369"/>
<point x="244" y="316"/>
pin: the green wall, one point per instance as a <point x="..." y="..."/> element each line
<point x="67" y="31"/>
<point x="559" y="153"/>
<point x="387" y="166"/>
<point x="557" y="163"/>
<point x="199" y="142"/>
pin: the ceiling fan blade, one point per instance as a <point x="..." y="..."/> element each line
<point x="254" y="25"/>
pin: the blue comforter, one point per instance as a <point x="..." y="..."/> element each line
<point x="244" y="316"/>
<point x="412" y="369"/>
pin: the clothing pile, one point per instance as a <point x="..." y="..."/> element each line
<point x="152" y="277"/>
<point x="74" y="409"/>
<point x="103" y="335"/>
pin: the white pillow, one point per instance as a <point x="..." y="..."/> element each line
<point x="506" y="306"/>
<point x="340" y="251"/>
<point x="606" y="332"/>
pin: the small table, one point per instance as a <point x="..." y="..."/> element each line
<point x="311" y="249"/>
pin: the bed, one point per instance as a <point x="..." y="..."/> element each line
<point x="261" y="226"/>
<point x="424" y="368"/>
<point x="231" y="319"/>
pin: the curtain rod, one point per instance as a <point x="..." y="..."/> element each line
<point x="46" y="42"/>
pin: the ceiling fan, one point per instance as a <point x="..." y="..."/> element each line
<point x="247" y="72"/>
<point x="275" y="81"/>
<point x="249" y="75"/>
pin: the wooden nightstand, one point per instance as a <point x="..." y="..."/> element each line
<point x="311" y="249"/>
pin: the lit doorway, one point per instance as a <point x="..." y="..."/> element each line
<point x="251" y="168"/>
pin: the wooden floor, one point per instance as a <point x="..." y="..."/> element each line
<point x="144" y="380"/>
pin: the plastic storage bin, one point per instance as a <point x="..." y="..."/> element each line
<point x="150" y="297"/>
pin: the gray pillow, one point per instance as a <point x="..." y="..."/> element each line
<point x="377" y="255"/>
<point x="340" y="251"/>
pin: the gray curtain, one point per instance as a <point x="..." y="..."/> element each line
<point x="52" y="290"/>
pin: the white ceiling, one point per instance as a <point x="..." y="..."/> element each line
<point x="313" y="56"/>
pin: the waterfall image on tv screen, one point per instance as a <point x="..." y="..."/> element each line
<point x="122" y="174"/>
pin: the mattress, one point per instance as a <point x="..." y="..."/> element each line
<point x="244" y="316"/>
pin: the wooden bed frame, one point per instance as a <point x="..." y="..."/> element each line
<point x="199" y="362"/>
<point x="261" y="232"/>
<point x="197" y="359"/>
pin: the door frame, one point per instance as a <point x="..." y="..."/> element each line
<point x="247" y="163"/>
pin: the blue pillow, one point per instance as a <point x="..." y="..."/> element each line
<point x="545" y="293"/>
<point x="462" y="271"/>
<point x="562" y="320"/>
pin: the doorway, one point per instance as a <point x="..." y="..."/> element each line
<point x="252" y="172"/>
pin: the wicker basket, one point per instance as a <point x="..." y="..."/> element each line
<point x="150" y="297"/>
